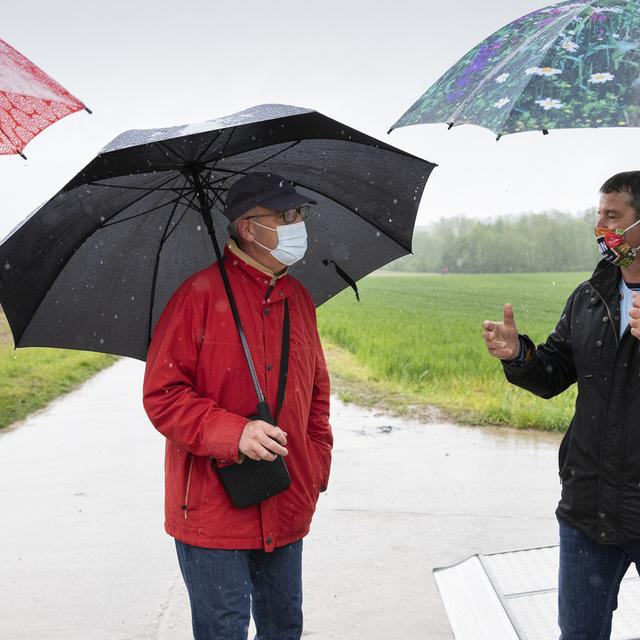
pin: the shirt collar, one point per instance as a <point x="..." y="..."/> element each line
<point x="247" y="259"/>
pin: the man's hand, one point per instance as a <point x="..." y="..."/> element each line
<point x="634" y="316"/>
<point x="502" y="339"/>
<point x="262" y="441"/>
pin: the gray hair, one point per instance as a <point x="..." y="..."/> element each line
<point x="232" y="230"/>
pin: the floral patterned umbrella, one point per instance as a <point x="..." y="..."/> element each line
<point x="572" y="64"/>
<point x="30" y="101"/>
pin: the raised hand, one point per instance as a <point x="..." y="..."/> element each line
<point x="502" y="339"/>
<point x="634" y="316"/>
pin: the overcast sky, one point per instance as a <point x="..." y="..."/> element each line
<point x="143" y="64"/>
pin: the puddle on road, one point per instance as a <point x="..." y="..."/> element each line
<point x="364" y="422"/>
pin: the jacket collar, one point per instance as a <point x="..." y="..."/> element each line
<point x="605" y="280"/>
<point x="268" y="282"/>
<point x="250" y="262"/>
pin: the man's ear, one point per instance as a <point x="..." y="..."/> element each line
<point x="244" y="230"/>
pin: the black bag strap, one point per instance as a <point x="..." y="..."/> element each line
<point x="284" y="361"/>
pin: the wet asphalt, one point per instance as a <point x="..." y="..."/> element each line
<point x="83" y="553"/>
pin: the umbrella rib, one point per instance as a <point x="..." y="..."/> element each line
<point x="187" y="207"/>
<point x="214" y="162"/>
<point x="166" y="155"/>
<point x="122" y="186"/>
<point x="232" y="173"/>
<point x="144" y="213"/>
<point x="72" y="253"/>
<point x="2" y="131"/>
<point x="253" y="166"/>
<point x="346" y="206"/>
<point x="170" y="150"/>
<point x="144" y="195"/>
<point x="342" y="204"/>
<point x="199" y="158"/>
<point x="154" y="279"/>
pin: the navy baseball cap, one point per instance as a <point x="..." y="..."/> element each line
<point x="262" y="189"/>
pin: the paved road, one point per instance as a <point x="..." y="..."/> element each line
<point x="83" y="554"/>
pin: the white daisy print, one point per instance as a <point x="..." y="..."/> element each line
<point x="542" y="71"/>
<point x="599" y="78"/>
<point x="501" y="103"/>
<point x="570" y="46"/>
<point x="550" y="103"/>
<point x="502" y="77"/>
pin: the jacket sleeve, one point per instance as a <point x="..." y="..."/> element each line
<point x="549" y="368"/>
<point x="193" y="422"/>
<point x="318" y="428"/>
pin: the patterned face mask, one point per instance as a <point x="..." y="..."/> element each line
<point x="614" y="248"/>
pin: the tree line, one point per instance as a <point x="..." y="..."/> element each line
<point x="532" y="242"/>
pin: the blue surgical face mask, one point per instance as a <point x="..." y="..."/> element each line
<point x="292" y="242"/>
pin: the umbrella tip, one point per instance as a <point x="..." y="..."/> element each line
<point x="22" y="155"/>
<point x="498" y="137"/>
<point x="450" y="126"/>
<point x="87" y="109"/>
<point x="545" y="132"/>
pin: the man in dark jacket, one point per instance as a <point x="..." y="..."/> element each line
<point x="596" y="345"/>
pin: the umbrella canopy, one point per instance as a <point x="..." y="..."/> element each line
<point x="573" y="64"/>
<point x="30" y="101"/>
<point x="94" y="267"/>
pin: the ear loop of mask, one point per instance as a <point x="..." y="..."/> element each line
<point x="627" y="229"/>
<point x="264" y="226"/>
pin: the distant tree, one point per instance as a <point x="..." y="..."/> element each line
<point x="531" y="242"/>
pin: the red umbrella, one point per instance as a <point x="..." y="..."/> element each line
<point x="30" y="101"/>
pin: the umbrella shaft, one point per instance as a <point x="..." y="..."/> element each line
<point x="205" y="211"/>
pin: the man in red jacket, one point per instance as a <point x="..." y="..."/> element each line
<point x="198" y="394"/>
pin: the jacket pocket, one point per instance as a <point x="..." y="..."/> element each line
<point x="187" y="489"/>
<point x="314" y="463"/>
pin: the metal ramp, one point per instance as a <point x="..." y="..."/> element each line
<point x="513" y="596"/>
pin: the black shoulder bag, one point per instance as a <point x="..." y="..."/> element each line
<point x="253" y="481"/>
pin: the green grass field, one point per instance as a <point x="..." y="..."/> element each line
<point x="418" y="337"/>
<point x="31" y="378"/>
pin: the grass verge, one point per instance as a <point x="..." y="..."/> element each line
<point x="31" y="378"/>
<point x="414" y="343"/>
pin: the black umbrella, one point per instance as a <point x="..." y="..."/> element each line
<point x="94" y="267"/>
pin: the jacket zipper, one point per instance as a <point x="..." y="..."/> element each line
<point x="186" y="493"/>
<point x="606" y="306"/>
<point x="615" y="335"/>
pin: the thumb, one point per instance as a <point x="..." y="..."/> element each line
<point x="509" y="319"/>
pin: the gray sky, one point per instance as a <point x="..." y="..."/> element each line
<point x="143" y="64"/>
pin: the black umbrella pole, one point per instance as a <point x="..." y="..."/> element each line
<point x="205" y="211"/>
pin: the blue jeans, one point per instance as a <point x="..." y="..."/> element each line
<point x="224" y="585"/>
<point x="588" y="583"/>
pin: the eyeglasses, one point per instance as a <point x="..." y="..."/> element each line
<point x="288" y="216"/>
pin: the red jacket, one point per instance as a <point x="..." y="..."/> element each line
<point x="198" y="392"/>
